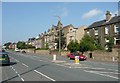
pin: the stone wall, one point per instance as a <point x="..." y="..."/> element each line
<point x="104" y="56"/>
<point x="63" y="53"/>
<point x="29" y="50"/>
<point x="42" y="52"/>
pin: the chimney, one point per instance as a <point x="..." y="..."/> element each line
<point x="115" y="14"/>
<point x="108" y="16"/>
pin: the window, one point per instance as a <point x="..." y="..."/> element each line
<point x="88" y="32"/>
<point x="96" y="32"/>
<point x="116" y="29"/>
<point x="70" y="30"/>
<point x="106" y="30"/>
<point x="106" y="40"/>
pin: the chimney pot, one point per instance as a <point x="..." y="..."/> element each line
<point x="115" y="14"/>
<point x="108" y="15"/>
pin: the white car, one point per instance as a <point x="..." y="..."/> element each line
<point x="17" y="50"/>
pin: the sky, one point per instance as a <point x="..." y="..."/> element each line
<point x="23" y="20"/>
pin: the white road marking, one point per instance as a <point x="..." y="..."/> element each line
<point x="17" y="73"/>
<point x="36" y="56"/>
<point x="107" y="72"/>
<point x="17" y="60"/>
<point x="108" y="64"/>
<point x="113" y="70"/>
<point x="102" y="63"/>
<point x="25" y="65"/>
<point x="62" y="65"/>
<point x="78" y="67"/>
<point x="44" y="75"/>
<point x="98" y="68"/>
<point x="101" y="74"/>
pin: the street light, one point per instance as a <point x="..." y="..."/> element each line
<point x="59" y="27"/>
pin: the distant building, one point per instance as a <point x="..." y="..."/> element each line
<point x="75" y="34"/>
<point x="31" y="41"/>
<point x="104" y="28"/>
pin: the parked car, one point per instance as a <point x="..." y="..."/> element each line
<point x="3" y="50"/>
<point x="72" y="56"/>
<point x="23" y="51"/>
<point x="4" y="58"/>
<point x="17" y="50"/>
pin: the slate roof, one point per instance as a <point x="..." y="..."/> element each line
<point x="115" y="19"/>
<point x="97" y="24"/>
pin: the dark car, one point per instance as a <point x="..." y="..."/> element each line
<point x="3" y="50"/>
<point x="72" y="56"/>
<point x="23" y="51"/>
<point x="4" y="58"/>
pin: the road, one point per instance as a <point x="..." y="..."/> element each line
<point x="29" y="67"/>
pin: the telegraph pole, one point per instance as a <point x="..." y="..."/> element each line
<point x="59" y="27"/>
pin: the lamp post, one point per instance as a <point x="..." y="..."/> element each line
<point x="59" y="27"/>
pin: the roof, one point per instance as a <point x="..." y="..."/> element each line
<point x="3" y="53"/>
<point x="96" y="24"/>
<point x="115" y="19"/>
<point x="70" y="25"/>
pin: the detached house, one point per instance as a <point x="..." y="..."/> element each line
<point x="104" y="28"/>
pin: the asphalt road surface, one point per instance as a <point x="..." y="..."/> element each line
<point x="29" y="67"/>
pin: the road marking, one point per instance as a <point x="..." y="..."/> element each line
<point x="102" y="63"/>
<point x="78" y="67"/>
<point x="40" y="60"/>
<point x="98" y="68"/>
<point x="101" y="74"/>
<point x="108" y="64"/>
<point x="17" y="60"/>
<point x="17" y="73"/>
<point x="14" y="59"/>
<point x="44" y="75"/>
<point x="25" y="65"/>
<point x="113" y="70"/>
<point x="62" y="65"/>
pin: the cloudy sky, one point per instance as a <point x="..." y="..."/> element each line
<point x="22" y="20"/>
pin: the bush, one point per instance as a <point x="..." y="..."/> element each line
<point x="41" y="49"/>
<point x="73" y="46"/>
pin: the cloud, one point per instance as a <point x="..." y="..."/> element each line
<point x="91" y="13"/>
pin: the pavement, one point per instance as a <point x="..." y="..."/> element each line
<point x="34" y="67"/>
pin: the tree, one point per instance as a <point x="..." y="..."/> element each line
<point x="110" y="44"/>
<point x="87" y="44"/>
<point x="73" y="46"/>
<point x="21" y="45"/>
<point x="97" y="44"/>
<point x="7" y="45"/>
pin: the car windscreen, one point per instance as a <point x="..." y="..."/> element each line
<point x="75" y="54"/>
<point x="3" y="55"/>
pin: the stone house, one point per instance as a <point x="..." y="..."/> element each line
<point x="100" y="30"/>
<point x="75" y="34"/>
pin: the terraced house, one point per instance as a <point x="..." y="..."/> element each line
<point x="104" y="28"/>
